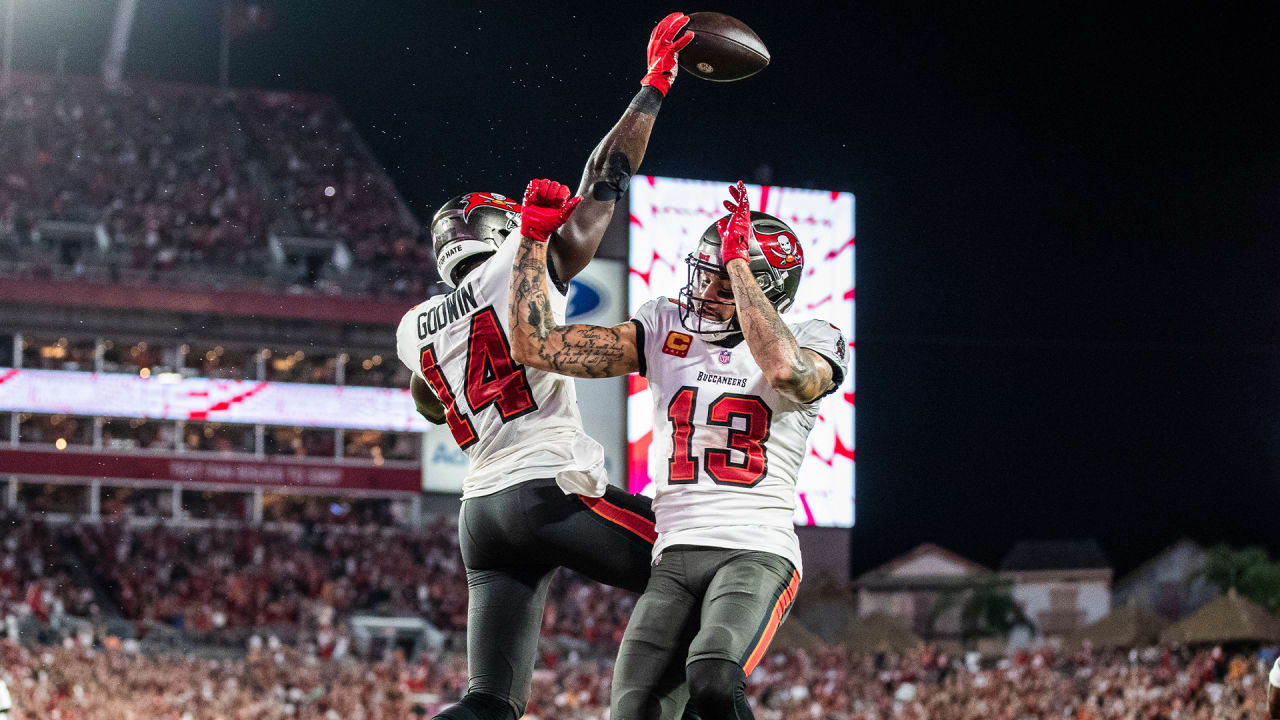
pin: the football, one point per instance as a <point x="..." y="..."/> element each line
<point x="723" y="48"/>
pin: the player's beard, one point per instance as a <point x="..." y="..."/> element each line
<point x="706" y="309"/>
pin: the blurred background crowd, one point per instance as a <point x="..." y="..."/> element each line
<point x="73" y="683"/>
<point x="213" y="623"/>
<point x="199" y="187"/>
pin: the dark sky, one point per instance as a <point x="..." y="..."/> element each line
<point x="1068" y="218"/>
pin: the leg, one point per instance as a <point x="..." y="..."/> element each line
<point x="745" y="602"/>
<point x="720" y="686"/>
<point x="609" y="539"/>
<point x="478" y="706"/>
<point x="504" y="617"/>
<point x="648" y="679"/>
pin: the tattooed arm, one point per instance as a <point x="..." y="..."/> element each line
<point x="587" y="351"/>
<point x="536" y="339"/>
<point x="799" y="373"/>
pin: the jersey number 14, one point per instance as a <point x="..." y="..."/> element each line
<point x="493" y="378"/>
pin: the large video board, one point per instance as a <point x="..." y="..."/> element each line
<point x="667" y="217"/>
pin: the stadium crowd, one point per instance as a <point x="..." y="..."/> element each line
<point x="285" y="593"/>
<point x="224" y="584"/>
<point x="35" y="575"/>
<point x="71" y="683"/>
<point x="221" y="583"/>
<point x="192" y="179"/>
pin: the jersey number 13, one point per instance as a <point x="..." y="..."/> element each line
<point x="683" y="465"/>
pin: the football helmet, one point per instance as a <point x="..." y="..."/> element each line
<point x="775" y="258"/>
<point x="469" y="225"/>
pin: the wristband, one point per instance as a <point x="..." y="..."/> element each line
<point x="647" y="101"/>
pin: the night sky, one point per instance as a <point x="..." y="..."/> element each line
<point x="1068" y="218"/>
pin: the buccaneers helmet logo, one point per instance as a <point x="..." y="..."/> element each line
<point x="484" y="199"/>
<point x="782" y="249"/>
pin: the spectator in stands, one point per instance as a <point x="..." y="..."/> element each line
<point x="285" y="595"/>
<point x="190" y="179"/>
<point x="273" y="681"/>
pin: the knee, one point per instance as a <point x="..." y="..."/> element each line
<point x="715" y="687"/>
<point x="479" y="706"/>
<point x="633" y="704"/>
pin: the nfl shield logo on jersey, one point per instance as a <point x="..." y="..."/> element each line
<point x="725" y="357"/>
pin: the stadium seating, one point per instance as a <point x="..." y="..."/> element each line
<point x="280" y="596"/>
<point x="271" y="682"/>
<point x="221" y="584"/>
<point x="191" y="186"/>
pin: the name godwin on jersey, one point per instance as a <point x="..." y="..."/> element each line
<point x="514" y="423"/>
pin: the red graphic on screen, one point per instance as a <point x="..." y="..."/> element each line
<point x="226" y="404"/>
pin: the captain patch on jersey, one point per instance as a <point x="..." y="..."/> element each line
<point x="726" y="445"/>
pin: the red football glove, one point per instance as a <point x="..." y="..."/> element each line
<point x="662" y="51"/>
<point x="547" y="206"/>
<point x="736" y="233"/>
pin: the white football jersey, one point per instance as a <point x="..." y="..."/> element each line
<point x="514" y="423"/>
<point x="733" y="445"/>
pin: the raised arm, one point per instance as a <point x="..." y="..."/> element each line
<point x="618" y="156"/>
<point x="799" y="373"/>
<point x="537" y="341"/>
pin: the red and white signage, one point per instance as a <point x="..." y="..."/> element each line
<point x="270" y="472"/>
<point x="171" y="397"/>
<point x="668" y="216"/>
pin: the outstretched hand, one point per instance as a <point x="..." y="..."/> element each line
<point x="736" y="234"/>
<point x="547" y="206"/>
<point x="663" y="47"/>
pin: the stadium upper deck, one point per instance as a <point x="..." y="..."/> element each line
<point x="178" y="185"/>
<point x="175" y="231"/>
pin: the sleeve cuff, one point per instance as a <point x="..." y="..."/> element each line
<point x="837" y="371"/>
<point x="644" y="370"/>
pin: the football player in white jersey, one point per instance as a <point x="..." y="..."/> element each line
<point x="736" y="392"/>
<point x="520" y="426"/>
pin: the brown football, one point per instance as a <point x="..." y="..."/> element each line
<point x="723" y="48"/>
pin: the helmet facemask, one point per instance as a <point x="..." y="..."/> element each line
<point x="776" y="262"/>
<point x="702" y="315"/>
